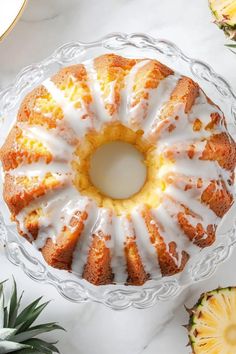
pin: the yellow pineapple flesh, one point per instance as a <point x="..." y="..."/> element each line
<point x="225" y="15"/>
<point x="212" y="327"/>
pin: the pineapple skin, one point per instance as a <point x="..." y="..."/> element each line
<point x="196" y="319"/>
<point x="223" y="21"/>
<point x="228" y="30"/>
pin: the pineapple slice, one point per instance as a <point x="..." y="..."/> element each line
<point x="212" y="327"/>
<point x="225" y="15"/>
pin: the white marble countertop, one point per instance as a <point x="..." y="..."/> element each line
<point x="91" y="328"/>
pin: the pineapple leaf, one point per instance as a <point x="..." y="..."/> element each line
<point x="32" y="317"/>
<point x="40" y="350"/>
<point x="9" y="347"/>
<point x="24" y="315"/>
<point x="16" y="333"/>
<point x="13" y="309"/>
<point x="35" y="331"/>
<point x="5" y="317"/>
<point x="6" y="333"/>
<point x="230" y="45"/>
<point x="28" y="351"/>
<point x="2" y="314"/>
<point x="42" y="346"/>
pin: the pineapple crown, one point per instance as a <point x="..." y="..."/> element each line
<point x="17" y="332"/>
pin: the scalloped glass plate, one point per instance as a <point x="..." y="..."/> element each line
<point x="118" y="297"/>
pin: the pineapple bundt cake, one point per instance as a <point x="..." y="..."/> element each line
<point x="188" y="152"/>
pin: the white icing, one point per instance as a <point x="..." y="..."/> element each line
<point x="128" y="228"/>
<point x="183" y="127"/>
<point x="125" y="109"/>
<point x="172" y="208"/>
<point x="198" y="168"/>
<point x="40" y="169"/>
<point x="110" y="99"/>
<point x="182" y="148"/>
<point x="118" y="262"/>
<point x="170" y="231"/>
<point x="5" y="212"/>
<point x="158" y="98"/>
<point x="103" y="225"/>
<point x="203" y="212"/>
<point x="59" y="206"/>
<point x="193" y="166"/>
<point x="146" y="249"/>
<point x="80" y="120"/>
<point x="141" y="115"/>
<point x="203" y="110"/>
<point x="97" y="106"/>
<point x="59" y="147"/>
<point x="83" y="245"/>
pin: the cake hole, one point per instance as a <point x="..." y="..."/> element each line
<point x="117" y="170"/>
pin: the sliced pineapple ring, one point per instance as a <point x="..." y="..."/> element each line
<point x="225" y="14"/>
<point x="224" y="10"/>
<point x="212" y="328"/>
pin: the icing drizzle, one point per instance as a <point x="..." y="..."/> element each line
<point x="58" y="207"/>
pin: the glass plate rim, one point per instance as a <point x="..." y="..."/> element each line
<point x="115" y="296"/>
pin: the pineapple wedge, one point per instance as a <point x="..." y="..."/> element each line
<point x="225" y="15"/>
<point x="212" y="326"/>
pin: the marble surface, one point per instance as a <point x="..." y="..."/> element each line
<point x="46" y="24"/>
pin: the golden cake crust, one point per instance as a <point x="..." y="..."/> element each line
<point x="98" y="267"/>
<point x="130" y="86"/>
<point x="59" y="254"/>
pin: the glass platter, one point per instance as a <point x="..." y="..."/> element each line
<point x="118" y="297"/>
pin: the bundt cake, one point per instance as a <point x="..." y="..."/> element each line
<point x="189" y="154"/>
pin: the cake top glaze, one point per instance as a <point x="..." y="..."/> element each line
<point x="189" y="154"/>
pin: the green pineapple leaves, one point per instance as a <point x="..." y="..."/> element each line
<point x="16" y="330"/>
<point x="2" y="312"/>
<point x="13" y="307"/>
<point x="40" y="346"/>
<point x="231" y="47"/>
<point x="6" y="333"/>
<point x="35" y="331"/>
<point x="27" y="314"/>
<point x="12" y="347"/>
